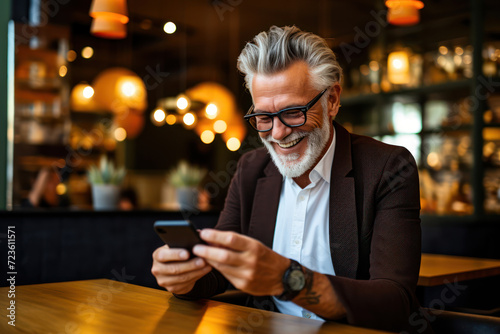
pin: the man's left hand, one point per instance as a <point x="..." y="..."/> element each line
<point x="247" y="263"/>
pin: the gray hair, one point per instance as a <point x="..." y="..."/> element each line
<point x="273" y="51"/>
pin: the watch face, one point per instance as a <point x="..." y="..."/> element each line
<point x="296" y="280"/>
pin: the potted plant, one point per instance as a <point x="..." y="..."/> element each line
<point x="105" y="181"/>
<point x="186" y="178"/>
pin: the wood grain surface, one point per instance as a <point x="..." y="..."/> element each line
<point x="438" y="269"/>
<point x="107" y="306"/>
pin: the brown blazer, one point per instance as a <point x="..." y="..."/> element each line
<point x="374" y="226"/>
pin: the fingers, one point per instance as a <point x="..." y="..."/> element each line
<point x="174" y="271"/>
<point x="184" y="278"/>
<point x="176" y="276"/>
<point x="217" y="254"/>
<point x="166" y="254"/>
<point x="182" y="283"/>
<point x="176" y="268"/>
<point x="226" y="239"/>
<point x="230" y="271"/>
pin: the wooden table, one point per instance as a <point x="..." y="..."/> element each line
<point x="106" y="306"/>
<point x="436" y="269"/>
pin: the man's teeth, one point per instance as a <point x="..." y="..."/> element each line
<point x="290" y="144"/>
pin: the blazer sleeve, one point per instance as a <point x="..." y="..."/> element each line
<point x="209" y="285"/>
<point x="387" y="299"/>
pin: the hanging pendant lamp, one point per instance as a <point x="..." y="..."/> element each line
<point x="404" y="12"/>
<point x="109" y="18"/>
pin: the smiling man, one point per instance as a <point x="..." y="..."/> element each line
<point x="295" y="145"/>
<point x="320" y="223"/>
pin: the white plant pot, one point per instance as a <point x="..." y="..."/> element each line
<point x="105" y="196"/>
<point x="187" y="198"/>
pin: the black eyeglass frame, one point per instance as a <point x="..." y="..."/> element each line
<point x="302" y="109"/>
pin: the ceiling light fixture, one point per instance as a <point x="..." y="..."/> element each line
<point x="169" y="27"/>
<point x="404" y="12"/>
<point x="87" y="52"/>
<point x="109" y="18"/>
<point x="209" y="109"/>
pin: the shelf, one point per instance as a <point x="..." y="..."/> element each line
<point x="90" y="114"/>
<point x="461" y="128"/>
<point x="35" y="95"/>
<point x="35" y="163"/>
<point x="441" y="130"/>
<point x="44" y="85"/>
<point x="353" y="100"/>
<point x="45" y="119"/>
<point x="443" y="87"/>
<point x="428" y="219"/>
<point x="47" y="150"/>
<point x="26" y="53"/>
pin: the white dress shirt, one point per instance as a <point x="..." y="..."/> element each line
<point x="302" y="225"/>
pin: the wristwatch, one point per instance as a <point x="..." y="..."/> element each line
<point x="294" y="281"/>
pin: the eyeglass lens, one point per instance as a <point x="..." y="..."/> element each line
<point x="289" y="118"/>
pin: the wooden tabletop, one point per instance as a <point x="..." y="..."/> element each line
<point x="106" y="306"/>
<point x="438" y="269"/>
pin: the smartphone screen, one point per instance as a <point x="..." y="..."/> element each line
<point x="178" y="234"/>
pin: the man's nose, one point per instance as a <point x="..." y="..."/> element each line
<point x="280" y="130"/>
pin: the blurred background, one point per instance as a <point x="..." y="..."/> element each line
<point x="150" y="95"/>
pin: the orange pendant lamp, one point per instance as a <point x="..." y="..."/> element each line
<point x="109" y="18"/>
<point x="404" y="12"/>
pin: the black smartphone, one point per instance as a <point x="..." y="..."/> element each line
<point x="178" y="234"/>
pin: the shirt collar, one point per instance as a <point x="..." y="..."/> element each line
<point x="323" y="168"/>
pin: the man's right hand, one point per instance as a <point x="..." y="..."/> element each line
<point x="175" y="272"/>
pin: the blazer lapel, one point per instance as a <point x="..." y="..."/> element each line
<point x="343" y="221"/>
<point x="265" y="205"/>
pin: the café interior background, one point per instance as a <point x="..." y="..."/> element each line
<point x="431" y="87"/>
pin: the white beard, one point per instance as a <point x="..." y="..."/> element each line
<point x="292" y="165"/>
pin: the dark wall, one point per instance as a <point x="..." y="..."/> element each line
<point x="65" y="246"/>
<point x="462" y="237"/>
<point x="53" y="247"/>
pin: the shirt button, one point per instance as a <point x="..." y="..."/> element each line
<point x="297" y="242"/>
<point x="306" y="314"/>
<point x="301" y="198"/>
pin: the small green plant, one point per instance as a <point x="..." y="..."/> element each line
<point x="106" y="173"/>
<point x="185" y="175"/>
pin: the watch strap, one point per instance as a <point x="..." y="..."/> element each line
<point x="289" y="294"/>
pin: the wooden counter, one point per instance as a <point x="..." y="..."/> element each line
<point x="438" y="269"/>
<point x="108" y="306"/>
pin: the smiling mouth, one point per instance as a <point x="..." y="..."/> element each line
<point x="290" y="144"/>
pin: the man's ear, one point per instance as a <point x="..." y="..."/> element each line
<point x="334" y="100"/>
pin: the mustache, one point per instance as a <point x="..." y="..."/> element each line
<point x="291" y="137"/>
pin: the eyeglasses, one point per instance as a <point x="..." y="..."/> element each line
<point x="292" y="117"/>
